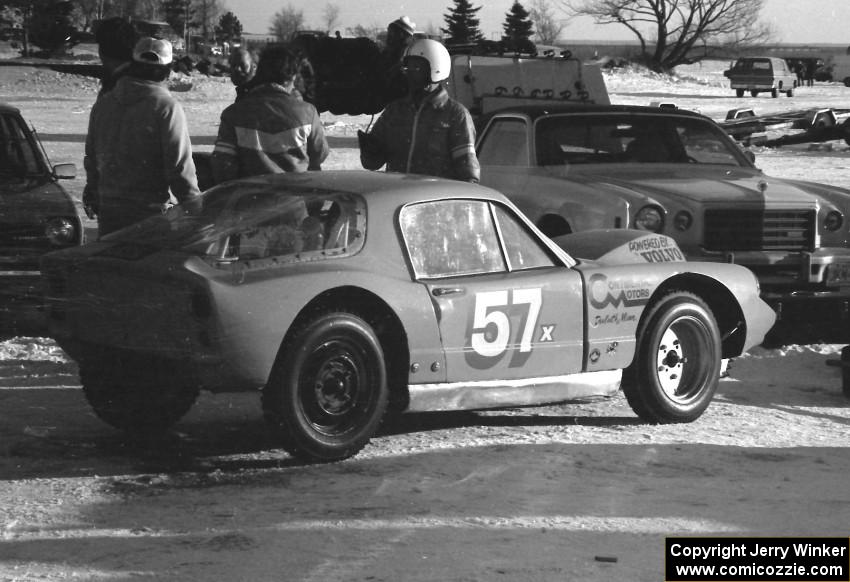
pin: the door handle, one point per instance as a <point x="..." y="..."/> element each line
<point x="442" y="291"/>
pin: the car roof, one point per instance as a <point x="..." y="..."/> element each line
<point x="537" y="111"/>
<point x="6" y="108"/>
<point x="378" y="188"/>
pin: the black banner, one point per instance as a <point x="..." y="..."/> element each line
<point x="804" y="559"/>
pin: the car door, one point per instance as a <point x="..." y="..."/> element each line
<point x="506" y="306"/>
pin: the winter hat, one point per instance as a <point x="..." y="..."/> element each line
<point x="405" y="25"/>
<point x="116" y="38"/>
<point x="153" y="51"/>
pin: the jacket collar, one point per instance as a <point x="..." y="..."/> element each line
<point x="436" y="99"/>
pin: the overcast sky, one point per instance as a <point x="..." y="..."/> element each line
<point x="795" y="21"/>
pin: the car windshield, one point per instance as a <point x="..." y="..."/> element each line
<point x="246" y="220"/>
<point x="18" y="157"/>
<point x="639" y="139"/>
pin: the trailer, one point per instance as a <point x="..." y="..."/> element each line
<point x="789" y="127"/>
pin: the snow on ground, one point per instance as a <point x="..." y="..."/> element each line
<point x="578" y="492"/>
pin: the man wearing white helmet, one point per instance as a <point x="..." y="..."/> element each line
<point x="425" y="132"/>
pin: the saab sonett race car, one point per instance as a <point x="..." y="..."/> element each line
<point x="348" y="295"/>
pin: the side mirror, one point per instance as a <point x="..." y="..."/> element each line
<point x="750" y="156"/>
<point x="65" y="171"/>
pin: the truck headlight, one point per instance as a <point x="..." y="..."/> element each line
<point x="61" y="231"/>
<point x="649" y="218"/>
<point x="683" y="220"/>
<point x="833" y="221"/>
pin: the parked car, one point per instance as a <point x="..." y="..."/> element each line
<point x="37" y="214"/>
<point x="673" y="172"/>
<point x="761" y="74"/>
<point x="345" y="294"/>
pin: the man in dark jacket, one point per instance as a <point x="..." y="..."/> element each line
<point x="425" y="132"/>
<point x="269" y="129"/>
<point x="140" y="156"/>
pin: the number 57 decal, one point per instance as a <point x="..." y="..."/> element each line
<point x="491" y="326"/>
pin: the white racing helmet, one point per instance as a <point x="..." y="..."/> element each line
<point x="435" y="53"/>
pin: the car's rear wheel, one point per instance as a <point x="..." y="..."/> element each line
<point x="327" y="393"/>
<point x="138" y="399"/>
<point x="677" y="363"/>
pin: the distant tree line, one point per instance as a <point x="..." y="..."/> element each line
<point x="53" y="24"/>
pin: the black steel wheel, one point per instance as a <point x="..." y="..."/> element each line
<point x="138" y="398"/>
<point x="327" y="393"/>
<point x="677" y="363"/>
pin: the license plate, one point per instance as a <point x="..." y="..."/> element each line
<point x="838" y="274"/>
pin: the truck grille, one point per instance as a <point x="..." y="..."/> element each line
<point x="759" y="230"/>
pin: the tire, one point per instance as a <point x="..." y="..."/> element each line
<point x="327" y="393"/>
<point x="846" y="81"/>
<point x="774" y="92"/>
<point x="138" y="399"/>
<point x="790" y="92"/>
<point x="677" y="361"/>
<point x="754" y="93"/>
<point x="739" y="93"/>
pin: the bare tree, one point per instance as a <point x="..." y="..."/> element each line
<point x="286" y="23"/>
<point x="207" y="15"/>
<point x="331" y="17"/>
<point x="547" y="27"/>
<point x="673" y="32"/>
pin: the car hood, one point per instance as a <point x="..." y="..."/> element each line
<point x="705" y="185"/>
<point x="38" y="196"/>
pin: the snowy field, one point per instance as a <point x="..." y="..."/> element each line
<point x="579" y="492"/>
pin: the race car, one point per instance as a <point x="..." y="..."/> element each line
<point x="348" y="295"/>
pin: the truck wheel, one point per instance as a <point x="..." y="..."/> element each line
<point x="774" y="92"/>
<point x="739" y="93"/>
<point x="847" y="81"/>
<point x="327" y="393"/>
<point x="754" y="93"/>
<point x="135" y="401"/>
<point x="790" y="92"/>
<point x="677" y="362"/>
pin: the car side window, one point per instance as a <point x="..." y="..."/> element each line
<point x="523" y="250"/>
<point x="447" y="238"/>
<point x="505" y="143"/>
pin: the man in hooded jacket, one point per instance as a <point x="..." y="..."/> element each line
<point x="138" y="143"/>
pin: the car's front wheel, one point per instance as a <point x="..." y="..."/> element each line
<point x="327" y="393"/>
<point x="138" y="399"/>
<point x="677" y="363"/>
